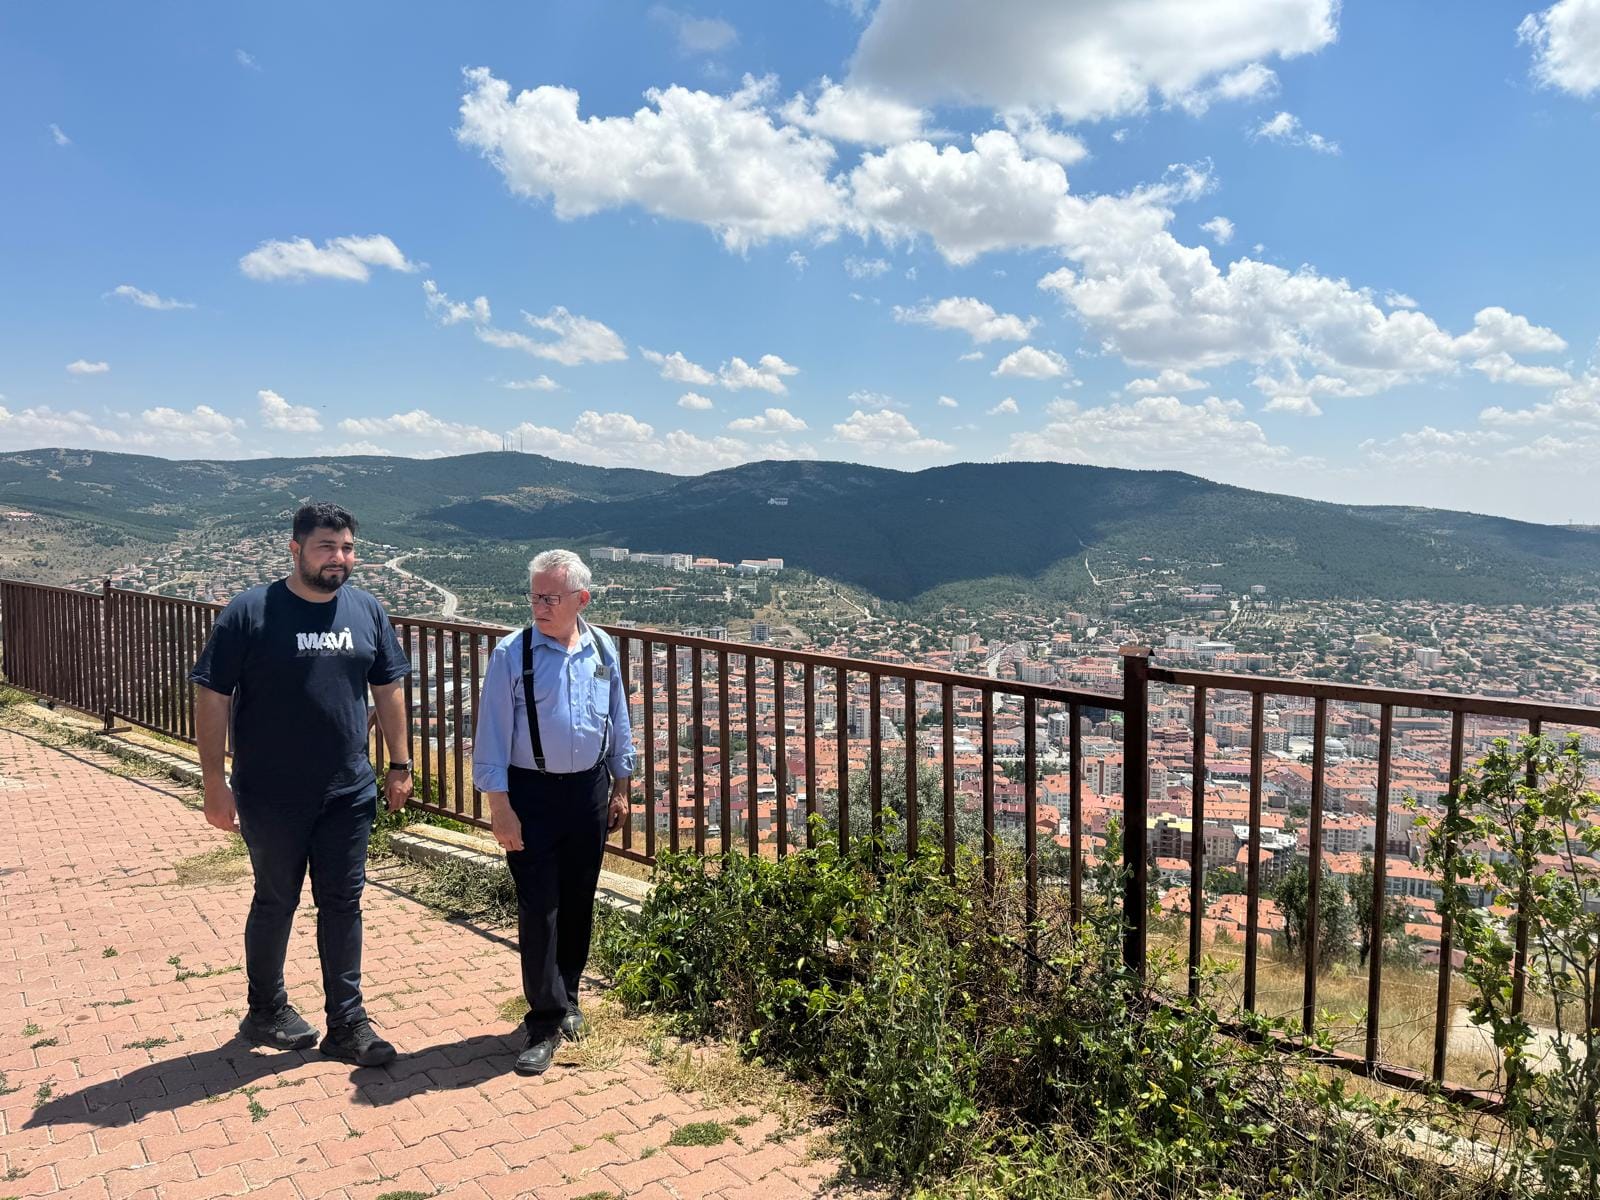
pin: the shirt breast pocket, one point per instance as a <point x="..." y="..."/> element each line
<point x="599" y="698"/>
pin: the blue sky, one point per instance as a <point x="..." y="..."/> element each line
<point x="1342" y="253"/>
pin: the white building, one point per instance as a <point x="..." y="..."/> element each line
<point x="609" y="554"/>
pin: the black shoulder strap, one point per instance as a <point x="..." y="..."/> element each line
<point x="528" y="699"/>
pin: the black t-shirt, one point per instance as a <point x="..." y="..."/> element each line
<point x="298" y="673"/>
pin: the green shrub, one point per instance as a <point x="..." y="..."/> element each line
<point x="954" y="1058"/>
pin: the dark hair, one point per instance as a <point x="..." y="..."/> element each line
<point x="325" y="515"/>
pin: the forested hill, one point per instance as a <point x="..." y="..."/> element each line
<point x="897" y="534"/>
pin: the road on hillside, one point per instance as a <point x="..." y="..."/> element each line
<point x="451" y="600"/>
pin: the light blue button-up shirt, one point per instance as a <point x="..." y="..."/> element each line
<point x="576" y="692"/>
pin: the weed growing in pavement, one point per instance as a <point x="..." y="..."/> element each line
<point x="699" y="1133"/>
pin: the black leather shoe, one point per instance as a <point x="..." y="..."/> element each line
<point x="357" y="1043"/>
<point x="539" y="1053"/>
<point x="282" y="1030"/>
<point x="573" y="1026"/>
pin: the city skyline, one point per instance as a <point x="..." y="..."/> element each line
<point x="1275" y="247"/>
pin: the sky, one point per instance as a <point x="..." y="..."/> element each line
<point x="1341" y="252"/>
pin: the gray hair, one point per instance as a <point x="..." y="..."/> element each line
<point x="569" y="564"/>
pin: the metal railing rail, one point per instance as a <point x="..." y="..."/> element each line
<point x="125" y="655"/>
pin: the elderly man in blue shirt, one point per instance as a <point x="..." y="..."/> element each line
<point x="555" y="772"/>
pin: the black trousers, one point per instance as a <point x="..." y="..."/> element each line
<point x="563" y="840"/>
<point x="285" y="836"/>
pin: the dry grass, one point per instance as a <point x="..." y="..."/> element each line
<point x="1406" y="1016"/>
<point x="225" y="864"/>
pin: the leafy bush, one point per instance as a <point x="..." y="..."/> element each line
<point x="954" y="1058"/>
<point x="1522" y="837"/>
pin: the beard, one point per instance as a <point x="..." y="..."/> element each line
<point x="329" y="579"/>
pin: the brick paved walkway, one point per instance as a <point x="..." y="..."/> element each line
<point x="123" y="1077"/>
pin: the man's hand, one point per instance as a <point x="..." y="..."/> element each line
<point x="619" y="805"/>
<point x="397" y="788"/>
<point x="220" y="808"/>
<point x="503" y="822"/>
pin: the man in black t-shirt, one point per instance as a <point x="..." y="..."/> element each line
<point x="289" y="664"/>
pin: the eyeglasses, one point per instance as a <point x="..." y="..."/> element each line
<point x="552" y="599"/>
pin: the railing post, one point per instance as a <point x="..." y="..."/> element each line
<point x="108" y="658"/>
<point x="1135" y="804"/>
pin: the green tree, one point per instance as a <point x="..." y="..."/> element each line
<point x="1335" y="931"/>
<point x="1395" y="940"/>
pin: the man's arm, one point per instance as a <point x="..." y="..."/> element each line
<point x="620" y="757"/>
<point x="494" y="729"/>
<point x="389" y="704"/>
<point x="211" y="713"/>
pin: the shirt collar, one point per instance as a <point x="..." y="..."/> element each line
<point x="585" y="638"/>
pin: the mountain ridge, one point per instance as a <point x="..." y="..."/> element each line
<point x="940" y="532"/>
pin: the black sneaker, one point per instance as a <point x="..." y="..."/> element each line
<point x="573" y="1025"/>
<point x="357" y="1043"/>
<point x="539" y="1053"/>
<point x="282" y="1030"/>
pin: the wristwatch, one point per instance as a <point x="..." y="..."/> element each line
<point x="394" y="766"/>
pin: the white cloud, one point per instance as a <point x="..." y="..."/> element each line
<point x="1566" y="46"/>
<point x="715" y="160"/>
<point x="696" y="35"/>
<point x="968" y="201"/>
<point x="1398" y="300"/>
<point x="1301" y="406"/>
<point x="1220" y="229"/>
<point x="619" y="439"/>
<point x="434" y="435"/>
<point x="578" y="339"/>
<point x="1250" y="82"/>
<point x="773" y="420"/>
<point x="886" y="432"/>
<point x="972" y="317"/>
<point x="798" y="261"/>
<point x="1496" y="331"/>
<point x="1286" y="129"/>
<point x="1575" y="402"/>
<point x="453" y="312"/>
<point x="57" y="136"/>
<point x="995" y="197"/>
<point x="767" y="374"/>
<point x="198" y="432"/>
<point x="865" y="268"/>
<point x="1035" y="135"/>
<point x="694" y="401"/>
<point x="201" y="425"/>
<point x="1168" y="383"/>
<point x="541" y="383"/>
<point x="1086" y="60"/>
<point x="1156" y="431"/>
<point x="948" y="402"/>
<point x="1428" y="447"/>
<point x="1154" y="301"/>
<point x="864" y="398"/>
<point x="362" y="449"/>
<point x="971" y="356"/>
<point x="83" y="366"/>
<point x="246" y="59"/>
<point x="277" y="413"/>
<point x="679" y="369"/>
<point x="1031" y="363"/>
<point x="1502" y="368"/>
<point x="859" y="115"/>
<point x="1006" y="408"/>
<point x="350" y="258"/>
<point x="146" y="299"/>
